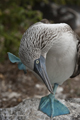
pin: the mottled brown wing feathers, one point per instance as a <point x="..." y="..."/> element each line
<point x="77" y="66"/>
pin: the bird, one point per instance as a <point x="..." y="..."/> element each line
<point x="52" y="52"/>
<point x="67" y="15"/>
<point x="60" y="13"/>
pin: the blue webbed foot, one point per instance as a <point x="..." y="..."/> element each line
<point x="15" y="59"/>
<point x="52" y="107"/>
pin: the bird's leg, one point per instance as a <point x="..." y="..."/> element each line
<point x="52" y="97"/>
<point x="51" y="106"/>
<point x="45" y="100"/>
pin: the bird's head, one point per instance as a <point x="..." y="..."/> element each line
<point x="36" y="62"/>
<point x="31" y="53"/>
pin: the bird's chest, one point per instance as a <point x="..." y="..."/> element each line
<point x="60" y="65"/>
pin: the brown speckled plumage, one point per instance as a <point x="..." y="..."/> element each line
<point x="77" y="65"/>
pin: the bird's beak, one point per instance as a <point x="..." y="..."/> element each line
<point x="40" y="69"/>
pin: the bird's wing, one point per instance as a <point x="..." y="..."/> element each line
<point x="77" y="65"/>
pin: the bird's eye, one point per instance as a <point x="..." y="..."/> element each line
<point x="37" y="61"/>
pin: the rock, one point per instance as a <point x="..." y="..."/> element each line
<point x="13" y="94"/>
<point x="28" y="110"/>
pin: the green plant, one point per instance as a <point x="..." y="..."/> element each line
<point x="14" y="20"/>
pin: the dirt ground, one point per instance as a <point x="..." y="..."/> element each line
<point x="16" y="86"/>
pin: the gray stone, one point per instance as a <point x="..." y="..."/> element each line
<point x="28" y="110"/>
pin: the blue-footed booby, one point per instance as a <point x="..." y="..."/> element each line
<point x="52" y="52"/>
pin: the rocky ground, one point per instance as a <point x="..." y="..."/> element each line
<point x="28" y="110"/>
<point x="16" y="86"/>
